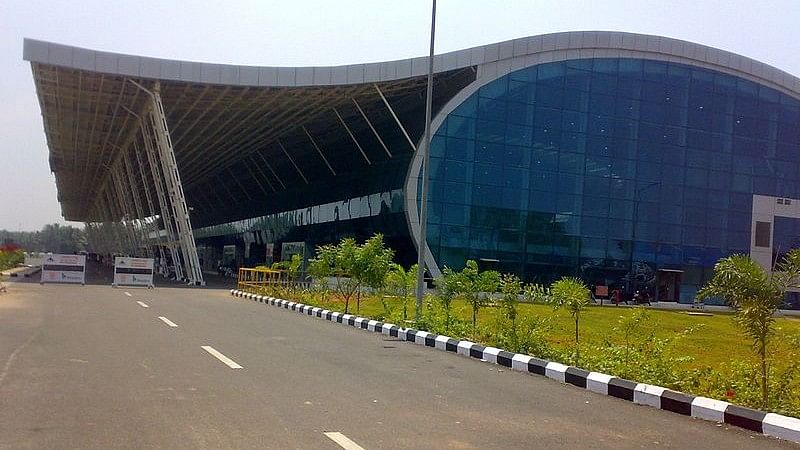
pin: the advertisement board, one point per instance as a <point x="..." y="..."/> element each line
<point x="133" y="271"/>
<point x="34" y="259"/>
<point x="58" y="268"/>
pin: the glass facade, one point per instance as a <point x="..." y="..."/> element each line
<point x="610" y="169"/>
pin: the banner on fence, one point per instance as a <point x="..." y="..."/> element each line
<point x="133" y="271"/>
<point x="64" y="269"/>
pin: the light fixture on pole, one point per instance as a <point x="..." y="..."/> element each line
<point x="426" y="153"/>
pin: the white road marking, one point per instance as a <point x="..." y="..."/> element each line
<point x="168" y="322"/>
<point x="343" y="441"/>
<point x="229" y="362"/>
<point x="128" y="294"/>
<point x="143" y="305"/>
<point x="14" y="355"/>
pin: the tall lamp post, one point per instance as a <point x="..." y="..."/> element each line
<point x="426" y="157"/>
<point x="635" y="220"/>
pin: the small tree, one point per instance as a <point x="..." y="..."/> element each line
<point x="337" y="261"/>
<point x="292" y="268"/>
<point x="401" y="283"/>
<point x="570" y="293"/>
<point x="353" y="266"/>
<point x="476" y="286"/>
<point x="373" y="260"/>
<point x="511" y="288"/>
<point x="755" y="295"/>
<point x="447" y="288"/>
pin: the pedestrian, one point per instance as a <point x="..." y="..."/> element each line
<point x="616" y="295"/>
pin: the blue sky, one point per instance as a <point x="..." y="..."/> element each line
<point x="288" y="33"/>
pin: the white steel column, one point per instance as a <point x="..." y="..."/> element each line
<point x="151" y="209"/>
<point x="166" y="216"/>
<point x="123" y="206"/>
<point x="137" y="205"/>
<point x="181" y="213"/>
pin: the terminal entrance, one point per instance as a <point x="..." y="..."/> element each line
<point x="668" y="285"/>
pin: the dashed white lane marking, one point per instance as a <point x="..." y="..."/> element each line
<point x="143" y="305"/>
<point x="343" y="441"/>
<point x="128" y="294"/>
<point x="168" y="322"/>
<point x="227" y="361"/>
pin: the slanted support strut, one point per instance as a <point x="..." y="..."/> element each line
<point x="158" y="121"/>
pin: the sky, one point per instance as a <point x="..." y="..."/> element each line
<point x="305" y="32"/>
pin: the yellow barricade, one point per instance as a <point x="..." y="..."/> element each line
<point x="258" y="280"/>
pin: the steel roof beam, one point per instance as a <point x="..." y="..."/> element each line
<point x="314" y="143"/>
<point x="396" y="119"/>
<point x="371" y="127"/>
<point x="350" y="133"/>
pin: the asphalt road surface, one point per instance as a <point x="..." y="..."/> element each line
<point x="93" y="367"/>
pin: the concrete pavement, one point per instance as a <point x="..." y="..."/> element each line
<point x="89" y="367"/>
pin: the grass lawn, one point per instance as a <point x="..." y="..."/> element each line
<point x="716" y="339"/>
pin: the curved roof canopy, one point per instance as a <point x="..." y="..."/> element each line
<point x="296" y="133"/>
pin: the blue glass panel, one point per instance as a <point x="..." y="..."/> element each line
<point x="455" y="214"/>
<point x="456" y="193"/>
<point x="468" y="108"/>
<point x="544" y="159"/>
<point x="568" y="204"/>
<point x="519" y="91"/>
<point x="594" y="227"/>
<point x="543" y="181"/>
<point x="621" y="209"/>
<point x="519" y="135"/>
<point x="490" y="130"/>
<point x="496" y="89"/>
<point x="515" y="177"/>
<point x="603" y="142"/>
<point x="514" y="198"/>
<point x="462" y="127"/>
<point x="593" y="248"/>
<point x="488" y="174"/>
<point x="571" y="162"/>
<point x="454" y="170"/>
<point x="576" y="100"/>
<point x="520" y="113"/>
<point x="489" y="152"/>
<point x="460" y="149"/>
<point x="596" y="206"/>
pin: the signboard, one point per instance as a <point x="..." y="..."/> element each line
<point x="270" y="253"/>
<point x="34" y="259"/>
<point x="64" y="269"/>
<point x="133" y="271"/>
<point x="228" y="255"/>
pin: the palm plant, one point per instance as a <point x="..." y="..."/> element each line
<point x="400" y="282"/>
<point x="477" y="286"/>
<point x="755" y="295"/>
<point x="568" y="292"/>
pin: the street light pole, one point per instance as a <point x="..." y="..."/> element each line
<point x="426" y="157"/>
<point x="635" y="220"/>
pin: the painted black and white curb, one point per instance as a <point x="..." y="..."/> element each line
<point x="770" y="424"/>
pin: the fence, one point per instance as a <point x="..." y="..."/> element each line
<point x="266" y="280"/>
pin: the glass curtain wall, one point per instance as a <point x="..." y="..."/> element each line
<point x="609" y="169"/>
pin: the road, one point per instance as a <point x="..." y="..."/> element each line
<point x="92" y="367"/>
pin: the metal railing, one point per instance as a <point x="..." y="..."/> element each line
<point x="258" y="279"/>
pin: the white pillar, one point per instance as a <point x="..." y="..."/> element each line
<point x="166" y="215"/>
<point x="172" y="178"/>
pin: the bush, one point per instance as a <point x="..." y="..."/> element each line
<point x="11" y="257"/>
<point x="641" y="355"/>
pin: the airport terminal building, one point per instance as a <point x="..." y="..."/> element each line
<point x="625" y="159"/>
